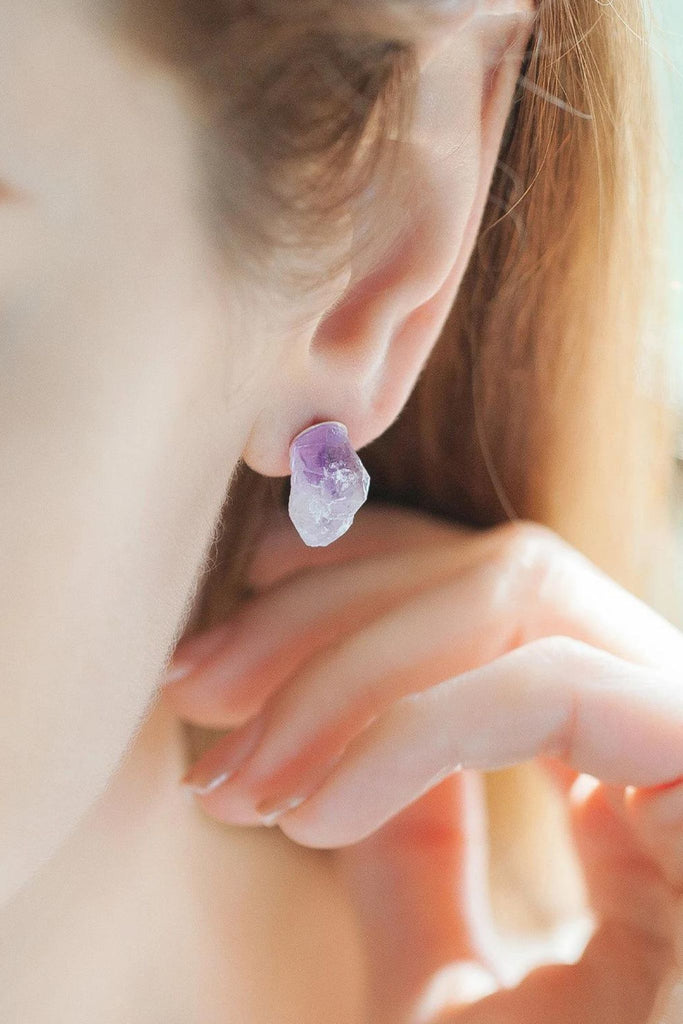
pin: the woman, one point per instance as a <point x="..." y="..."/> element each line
<point x="224" y="221"/>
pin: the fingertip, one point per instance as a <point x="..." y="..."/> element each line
<point x="194" y="650"/>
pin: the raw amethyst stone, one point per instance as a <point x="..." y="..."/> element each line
<point x="329" y="483"/>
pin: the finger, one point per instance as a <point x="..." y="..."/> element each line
<point x="655" y="814"/>
<point x="436" y="633"/>
<point x="616" y="980"/>
<point x="624" y="883"/>
<point x="528" y="584"/>
<point x="440" y="631"/>
<point x="603" y="716"/>
<point x="225" y="676"/>
<point x="420" y="888"/>
<point x="377" y="530"/>
<point x="624" y="964"/>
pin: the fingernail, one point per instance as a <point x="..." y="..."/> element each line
<point x="220" y="765"/>
<point x="209" y="786"/>
<point x="270" y="811"/>
<point x="176" y="671"/>
<point x="192" y="651"/>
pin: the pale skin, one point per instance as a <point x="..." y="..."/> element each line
<point x="136" y="371"/>
<point x="391" y="667"/>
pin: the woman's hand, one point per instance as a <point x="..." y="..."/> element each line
<point x="373" y="681"/>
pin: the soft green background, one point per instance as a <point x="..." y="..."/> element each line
<point x="669" y="41"/>
<point x="668" y="45"/>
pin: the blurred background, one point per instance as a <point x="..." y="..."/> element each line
<point x="668" y="40"/>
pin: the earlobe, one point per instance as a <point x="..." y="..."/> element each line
<point x="360" y="362"/>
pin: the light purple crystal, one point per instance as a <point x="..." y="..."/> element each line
<point x="329" y="483"/>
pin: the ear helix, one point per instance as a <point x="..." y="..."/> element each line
<point x="329" y="483"/>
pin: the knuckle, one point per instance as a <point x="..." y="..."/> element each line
<point x="557" y="647"/>
<point x="527" y="557"/>
<point x="526" y="546"/>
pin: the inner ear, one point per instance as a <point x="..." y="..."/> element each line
<point x="365" y="308"/>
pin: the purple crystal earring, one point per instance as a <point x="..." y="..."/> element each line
<point x="329" y="483"/>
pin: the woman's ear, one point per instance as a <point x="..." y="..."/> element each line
<point x="362" y="359"/>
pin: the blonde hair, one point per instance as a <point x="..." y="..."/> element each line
<point x="541" y="397"/>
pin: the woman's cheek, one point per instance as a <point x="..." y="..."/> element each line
<point x="117" y="439"/>
<point x="98" y="583"/>
<point x="114" y="464"/>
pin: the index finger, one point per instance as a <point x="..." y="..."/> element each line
<point x="378" y="529"/>
<point x="620" y="722"/>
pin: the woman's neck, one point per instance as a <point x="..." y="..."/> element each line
<point x="151" y="912"/>
<point x="97" y="918"/>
